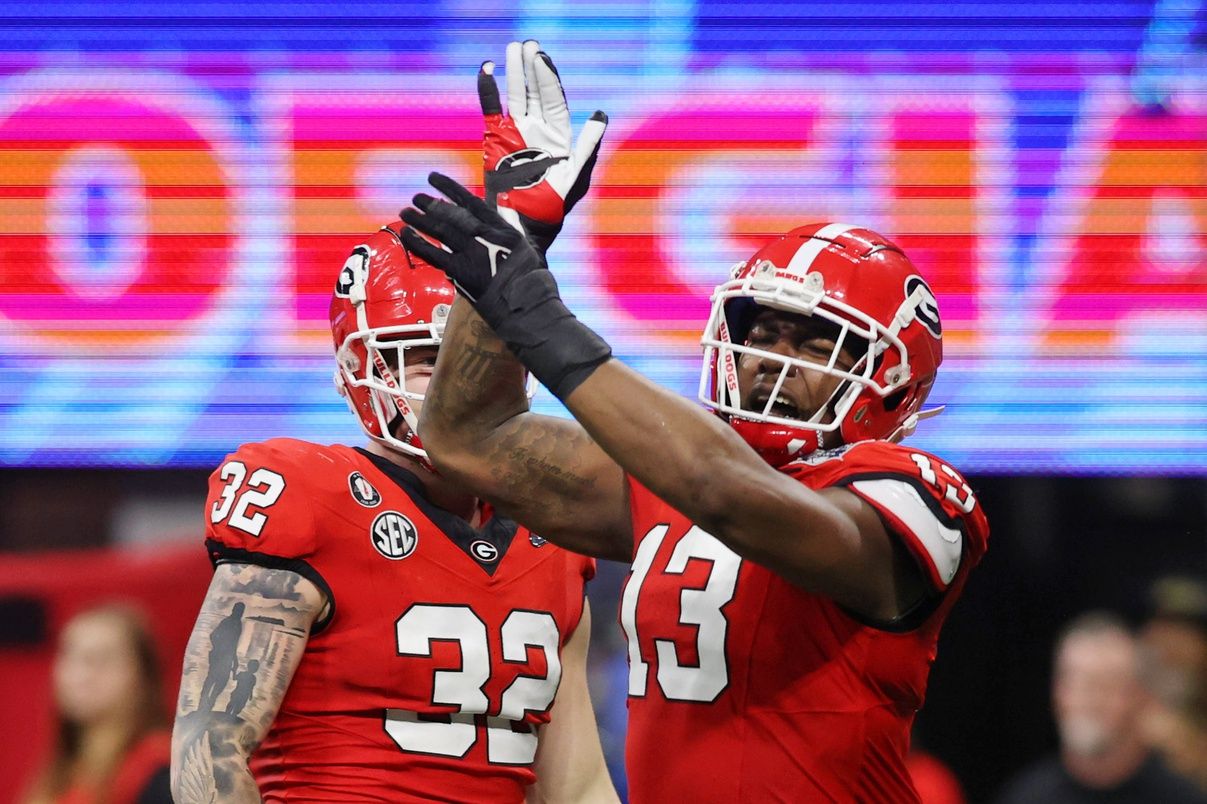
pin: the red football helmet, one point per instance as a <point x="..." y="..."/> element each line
<point x="862" y="283"/>
<point x="386" y="300"/>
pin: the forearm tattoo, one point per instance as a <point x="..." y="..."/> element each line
<point x="483" y="381"/>
<point x="247" y="642"/>
<point x="481" y="358"/>
<point x="540" y="462"/>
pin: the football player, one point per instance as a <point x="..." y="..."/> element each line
<point x="374" y="632"/>
<point x="792" y="563"/>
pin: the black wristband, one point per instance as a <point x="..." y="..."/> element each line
<point x="529" y="316"/>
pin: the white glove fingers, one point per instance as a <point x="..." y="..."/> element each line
<point x="530" y="50"/>
<point x="553" y="97"/>
<point x="516" y="101"/>
<point x="589" y="139"/>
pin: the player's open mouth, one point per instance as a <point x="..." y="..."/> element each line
<point x="783" y="406"/>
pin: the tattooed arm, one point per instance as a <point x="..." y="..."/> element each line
<point x="244" y="649"/>
<point x="544" y="471"/>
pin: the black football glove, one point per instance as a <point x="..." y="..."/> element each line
<point x="481" y="244"/>
<point x="506" y="279"/>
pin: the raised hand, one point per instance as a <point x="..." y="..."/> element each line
<point x="505" y="278"/>
<point x="483" y="250"/>
<point x="534" y="175"/>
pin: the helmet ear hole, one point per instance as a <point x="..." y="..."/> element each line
<point x="893" y="400"/>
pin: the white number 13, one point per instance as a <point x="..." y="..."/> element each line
<point x="697" y="607"/>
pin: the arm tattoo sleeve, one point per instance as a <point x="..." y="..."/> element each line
<point x="479" y="382"/>
<point x="242" y="654"/>
<point x="543" y="471"/>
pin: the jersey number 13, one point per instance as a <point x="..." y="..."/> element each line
<point x="698" y="607"/>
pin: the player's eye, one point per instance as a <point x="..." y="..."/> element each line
<point x="818" y="346"/>
<point x="421" y="358"/>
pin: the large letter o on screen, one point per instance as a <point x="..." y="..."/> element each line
<point x="117" y="216"/>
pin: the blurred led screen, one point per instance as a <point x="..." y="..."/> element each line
<point x="182" y="182"/>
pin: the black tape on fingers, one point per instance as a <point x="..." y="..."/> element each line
<point x="488" y="90"/>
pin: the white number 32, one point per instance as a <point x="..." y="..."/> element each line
<point x="263" y="489"/>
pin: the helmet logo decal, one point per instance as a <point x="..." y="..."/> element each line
<point x="926" y="306"/>
<point x="393" y="535"/>
<point x="358" y="261"/>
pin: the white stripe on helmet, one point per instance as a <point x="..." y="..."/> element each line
<point x="803" y="259"/>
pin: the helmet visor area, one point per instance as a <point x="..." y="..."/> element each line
<point x="390" y="352"/>
<point x="861" y="338"/>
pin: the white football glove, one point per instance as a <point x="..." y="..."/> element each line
<point x="533" y="175"/>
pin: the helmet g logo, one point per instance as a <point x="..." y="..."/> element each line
<point x="926" y="307"/>
<point x="358" y="261"/>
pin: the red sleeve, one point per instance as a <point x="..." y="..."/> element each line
<point x="924" y="502"/>
<point x="258" y="503"/>
<point x="258" y="512"/>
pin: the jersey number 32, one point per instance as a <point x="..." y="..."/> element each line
<point x="453" y="735"/>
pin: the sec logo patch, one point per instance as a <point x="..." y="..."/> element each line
<point x="393" y="535"/>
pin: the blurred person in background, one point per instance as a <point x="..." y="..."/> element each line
<point x="111" y="743"/>
<point x="1174" y="649"/>
<point x="1098" y="702"/>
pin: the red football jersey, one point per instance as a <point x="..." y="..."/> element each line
<point x="744" y="687"/>
<point x="440" y="658"/>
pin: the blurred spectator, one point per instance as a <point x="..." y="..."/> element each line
<point x="111" y="743"/>
<point x="1174" y="647"/>
<point x="1099" y="702"/>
